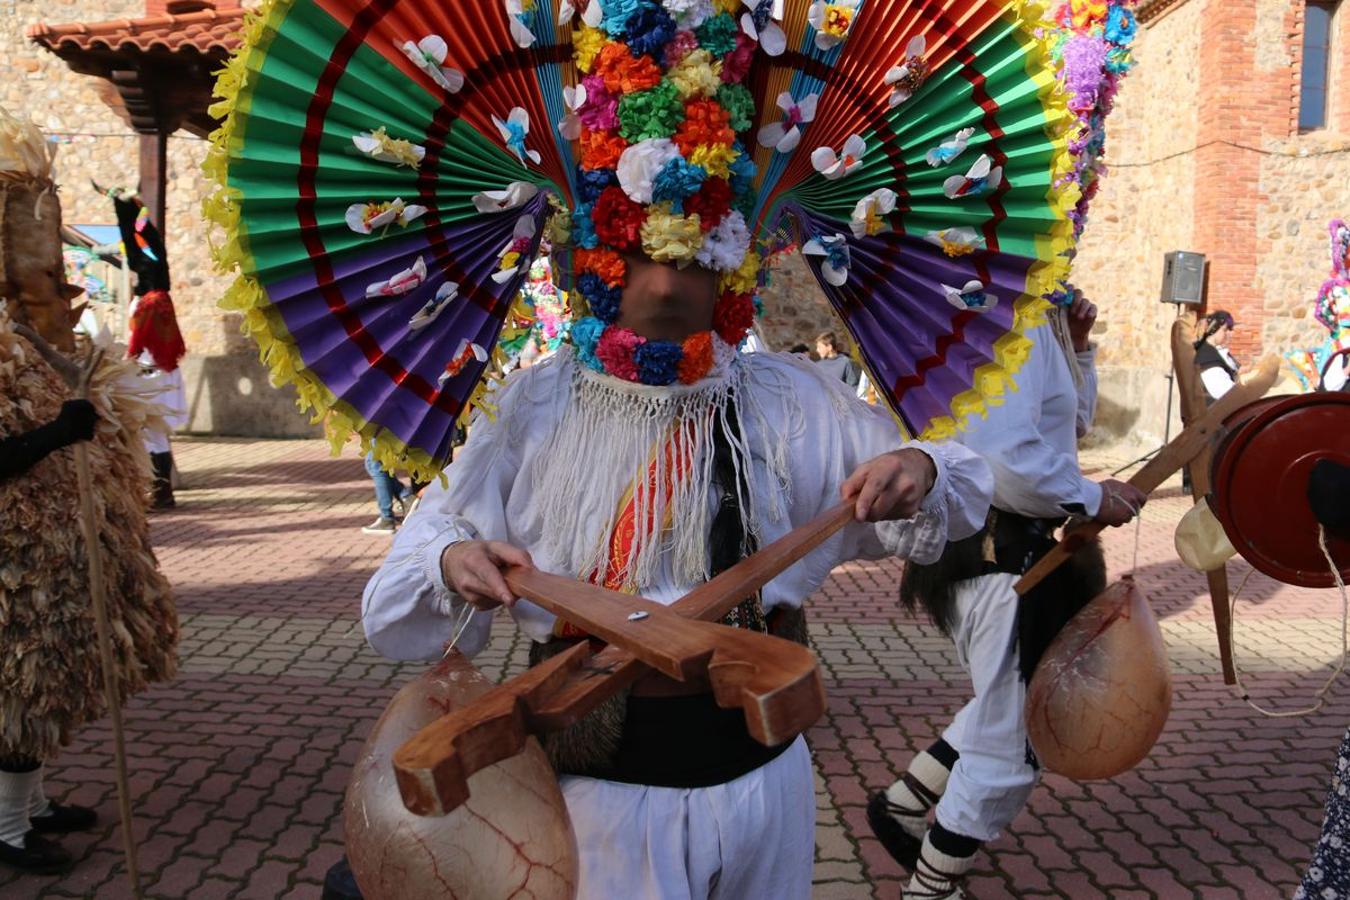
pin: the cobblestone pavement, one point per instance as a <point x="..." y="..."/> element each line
<point x="238" y="767"/>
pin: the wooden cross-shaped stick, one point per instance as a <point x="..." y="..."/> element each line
<point x="776" y="682"/>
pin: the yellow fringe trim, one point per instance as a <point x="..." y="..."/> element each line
<point x="994" y="379"/>
<point x="247" y="296"/>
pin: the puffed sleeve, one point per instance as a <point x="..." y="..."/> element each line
<point x="408" y="611"/>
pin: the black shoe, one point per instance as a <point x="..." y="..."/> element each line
<point x="37" y="855"/>
<point x="380" y="526"/>
<point x="63" y="819"/>
<point x="900" y="844"/>
<point x="340" y="883"/>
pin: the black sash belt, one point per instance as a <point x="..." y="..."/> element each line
<point x="685" y="742"/>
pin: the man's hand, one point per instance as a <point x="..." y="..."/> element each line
<point x="1082" y="315"/>
<point x="1121" y="501"/>
<point x="473" y="569"/>
<point x="891" y="486"/>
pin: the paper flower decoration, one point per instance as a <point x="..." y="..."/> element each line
<point x="516" y="194"/>
<point x="514" y="131"/>
<point x="466" y="353"/>
<point x="428" y="54"/>
<point x="832" y="21"/>
<point x="869" y="215"/>
<point x="521" y="238"/>
<point x="956" y="241"/>
<point x="971" y="296"/>
<point x="784" y="136"/>
<point x="979" y="179"/>
<point x="517" y="12"/>
<point x="835" y="262"/>
<point x="639" y="165"/>
<point x="365" y="218"/>
<point x="433" y="307"/>
<point x="379" y="145"/>
<point x="834" y="166"/>
<point x="405" y="281"/>
<point x="574" y="97"/>
<point x="909" y="76"/>
<point x="949" y="150"/>
<point x="758" y="24"/>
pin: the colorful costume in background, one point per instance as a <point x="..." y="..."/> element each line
<point x="50" y="677"/>
<point x="153" y="338"/>
<point x="387" y="174"/>
<point x="1333" y="311"/>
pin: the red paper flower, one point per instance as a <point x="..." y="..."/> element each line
<point x="733" y="316"/>
<point x="705" y="122"/>
<point x="736" y="64"/>
<point x="698" y="357"/>
<point x="618" y="220"/>
<point x="712" y="203"/>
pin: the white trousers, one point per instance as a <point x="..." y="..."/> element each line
<point x="992" y="780"/>
<point x="748" y="839"/>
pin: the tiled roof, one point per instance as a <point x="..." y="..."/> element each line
<point x="206" y="32"/>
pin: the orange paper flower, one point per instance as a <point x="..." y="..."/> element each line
<point x="622" y="72"/>
<point x="602" y="262"/>
<point x="601" y="149"/>
<point x="705" y="122"/>
<point x="697" y="359"/>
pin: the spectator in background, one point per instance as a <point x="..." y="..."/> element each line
<point x="837" y="364"/>
<point x="1218" y="368"/>
<point x="392" y="496"/>
<point x="801" y="350"/>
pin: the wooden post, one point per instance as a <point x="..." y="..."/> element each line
<point x="154" y="175"/>
<point x="1192" y="399"/>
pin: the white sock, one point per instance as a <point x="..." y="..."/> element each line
<point x="39" y="805"/>
<point x="16" y="790"/>
<point x="940" y="872"/>
<point x="910" y="798"/>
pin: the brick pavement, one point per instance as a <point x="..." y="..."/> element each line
<point x="238" y="767"/>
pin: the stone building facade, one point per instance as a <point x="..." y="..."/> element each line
<point x="1205" y="155"/>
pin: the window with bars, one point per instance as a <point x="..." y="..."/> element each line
<point x="1315" y="89"/>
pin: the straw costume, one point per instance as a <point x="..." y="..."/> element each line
<point x="50" y="676"/>
<point x="388" y="171"/>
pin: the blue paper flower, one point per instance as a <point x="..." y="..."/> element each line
<point x="1120" y="25"/>
<point x="585" y="336"/>
<point x="590" y="182"/>
<point x="602" y="299"/>
<point x="583" y="227"/>
<point x="649" y="30"/>
<point x="677" y="181"/>
<point x="617" y="14"/>
<point x="658" y="362"/>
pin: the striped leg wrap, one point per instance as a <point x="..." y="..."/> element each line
<point x="945" y="859"/>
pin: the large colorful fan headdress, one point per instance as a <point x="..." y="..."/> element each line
<point x="389" y="169"/>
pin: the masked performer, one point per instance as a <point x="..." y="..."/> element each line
<point x="50" y="675"/>
<point x="660" y="146"/>
<point x="153" y="338"/>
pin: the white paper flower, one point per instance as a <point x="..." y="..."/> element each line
<point x="689" y="14"/>
<point x="956" y="242"/>
<point x="639" y="164"/>
<point x="983" y="176"/>
<point x="869" y="215"/>
<point x="566" y="10"/>
<point x="574" y="97"/>
<point x="429" y="54"/>
<point x="971" y="296"/>
<point x="516" y="194"/>
<point x="445" y="294"/>
<point x="949" y="150"/>
<point x="405" y="281"/>
<point x="835" y="262"/>
<point x="832" y="21"/>
<point x="725" y="246"/>
<point x="833" y="165"/>
<point x="514" y="131"/>
<point x="785" y="135"/>
<point x="907" y="77"/>
<point x="758" y="23"/>
<point x="520" y="32"/>
<point x="466" y="352"/>
<point x="379" y="145"/>
<point x="593" y="14"/>
<point x="366" y="218"/>
<point x="521" y="237"/>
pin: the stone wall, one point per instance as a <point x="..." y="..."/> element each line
<point x="795" y="308"/>
<point x="228" y="389"/>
